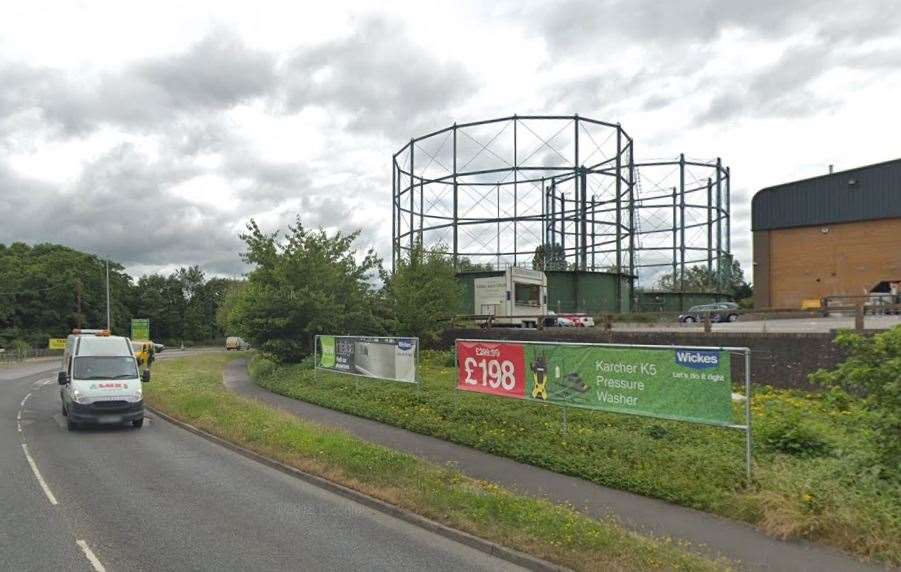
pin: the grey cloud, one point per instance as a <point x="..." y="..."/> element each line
<point x="379" y="76"/>
<point x="119" y="209"/>
<point x="588" y="25"/>
<point x="214" y="74"/>
<point x="781" y="89"/>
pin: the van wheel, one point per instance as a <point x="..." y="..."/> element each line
<point x="71" y="425"/>
<point x="733" y="317"/>
<point x="138" y="423"/>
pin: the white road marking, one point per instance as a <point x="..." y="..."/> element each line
<point x="37" y="474"/>
<point x="90" y="556"/>
<point x="19" y="425"/>
<point x="24" y="399"/>
<point x="19" y="415"/>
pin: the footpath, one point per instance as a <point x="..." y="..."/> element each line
<point x="705" y="532"/>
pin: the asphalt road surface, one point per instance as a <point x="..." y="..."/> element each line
<point x="160" y="498"/>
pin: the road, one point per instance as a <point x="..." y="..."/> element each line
<point x="161" y="498"/>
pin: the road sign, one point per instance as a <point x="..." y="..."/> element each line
<point x="140" y="329"/>
<point x="57" y="344"/>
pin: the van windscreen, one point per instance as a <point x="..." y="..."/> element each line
<point x="105" y="367"/>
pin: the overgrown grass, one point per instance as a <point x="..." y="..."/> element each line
<point x="190" y="389"/>
<point x="813" y="458"/>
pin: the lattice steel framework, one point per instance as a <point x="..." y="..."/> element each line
<point x="682" y="219"/>
<point x="491" y="192"/>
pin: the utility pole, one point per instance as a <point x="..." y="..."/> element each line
<point x="107" y="298"/>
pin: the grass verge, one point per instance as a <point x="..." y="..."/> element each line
<point x="190" y="389"/>
<point x="813" y="454"/>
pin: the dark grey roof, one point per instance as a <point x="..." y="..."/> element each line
<point x="865" y="193"/>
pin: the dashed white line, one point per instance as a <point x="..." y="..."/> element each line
<point x="37" y="475"/>
<point x="90" y="556"/>
<point x="24" y="399"/>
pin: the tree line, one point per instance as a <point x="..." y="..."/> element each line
<point x="311" y="282"/>
<point x="46" y="290"/>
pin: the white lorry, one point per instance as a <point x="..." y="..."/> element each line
<point x="100" y="381"/>
<point x="516" y="298"/>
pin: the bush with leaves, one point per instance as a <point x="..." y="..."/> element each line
<point x="309" y="283"/>
<point x="873" y="369"/>
<point x="423" y="294"/>
<point x="786" y="430"/>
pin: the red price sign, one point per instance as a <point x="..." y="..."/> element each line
<point x="490" y="367"/>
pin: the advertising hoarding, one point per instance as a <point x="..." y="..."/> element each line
<point x="391" y="358"/>
<point x="690" y="384"/>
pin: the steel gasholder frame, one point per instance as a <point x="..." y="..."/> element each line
<point x="489" y="193"/>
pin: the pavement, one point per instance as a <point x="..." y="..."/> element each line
<point x="162" y="498"/>
<point x="781" y="325"/>
<point x="707" y="533"/>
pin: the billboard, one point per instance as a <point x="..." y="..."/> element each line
<point x="390" y="358"/>
<point x="140" y="329"/>
<point x="689" y="384"/>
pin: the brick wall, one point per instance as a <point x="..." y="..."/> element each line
<point x="781" y="360"/>
<point x="794" y="264"/>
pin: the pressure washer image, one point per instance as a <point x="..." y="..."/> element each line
<point x="539" y="372"/>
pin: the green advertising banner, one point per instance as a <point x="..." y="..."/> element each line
<point x="688" y="384"/>
<point x="140" y="329"/>
<point x="327" y="359"/>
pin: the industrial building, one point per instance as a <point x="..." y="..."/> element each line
<point x="834" y="235"/>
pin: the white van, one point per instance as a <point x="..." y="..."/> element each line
<point x="100" y="381"/>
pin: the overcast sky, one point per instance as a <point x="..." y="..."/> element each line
<point x="151" y="132"/>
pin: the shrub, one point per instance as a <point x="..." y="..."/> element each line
<point x="309" y="283"/>
<point x="783" y="429"/>
<point x="423" y="294"/>
<point x="873" y="369"/>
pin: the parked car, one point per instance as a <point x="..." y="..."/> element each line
<point x="555" y="320"/>
<point x="719" y="312"/>
<point x="581" y="320"/>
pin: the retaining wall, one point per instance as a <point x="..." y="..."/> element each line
<point x="778" y="359"/>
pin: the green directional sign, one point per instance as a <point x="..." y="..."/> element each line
<point x="140" y="329"/>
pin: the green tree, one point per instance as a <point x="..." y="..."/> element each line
<point x="309" y="283"/>
<point x="423" y="294"/>
<point x="699" y="279"/>
<point x="47" y="289"/>
<point x="549" y="257"/>
<point x="873" y="369"/>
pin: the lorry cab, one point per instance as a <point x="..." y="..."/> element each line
<point x="100" y="381"/>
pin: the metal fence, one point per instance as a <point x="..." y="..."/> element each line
<point x="20" y="354"/>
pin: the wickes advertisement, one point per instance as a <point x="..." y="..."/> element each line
<point x="673" y="383"/>
<point x="381" y="357"/>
